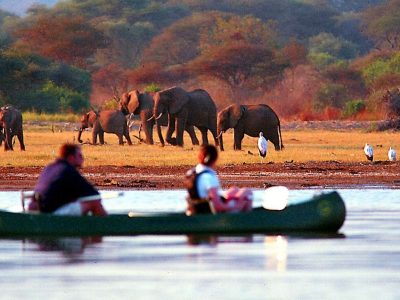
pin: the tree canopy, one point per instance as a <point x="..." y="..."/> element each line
<point x="56" y="59"/>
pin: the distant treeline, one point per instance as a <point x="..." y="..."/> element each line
<point x="308" y="59"/>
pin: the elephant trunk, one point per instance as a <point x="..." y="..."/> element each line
<point x="80" y="134"/>
<point x="220" y="140"/>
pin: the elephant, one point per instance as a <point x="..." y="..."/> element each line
<point x="11" y="124"/>
<point x="109" y="121"/>
<point x="142" y="104"/>
<point x="250" y="120"/>
<point x="195" y="108"/>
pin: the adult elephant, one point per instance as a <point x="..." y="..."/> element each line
<point x="250" y="120"/>
<point x="109" y="121"/>
<point x="11" y="124"/>
<point x="142" y="104"/>
<point x="195" y="108"/>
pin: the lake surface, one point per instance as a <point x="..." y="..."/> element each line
<point x="362" y="262"/>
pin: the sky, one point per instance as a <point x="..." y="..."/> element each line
<point x="19" y="7"/>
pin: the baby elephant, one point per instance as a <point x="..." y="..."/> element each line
<point x="109" y="121"/>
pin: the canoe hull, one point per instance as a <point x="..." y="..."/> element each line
<point x="322" y="214"/>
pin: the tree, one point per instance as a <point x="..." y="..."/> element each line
<point x="126" y="42"/>
<point x="112" y="79"/>
<point x="381" y="23"/>
<point x="66" y="39"/>
<point x="238" y="49"/>
<point x="179" y="43"/>
<point x="29" y="81"/>
<point x="332" y="45"/>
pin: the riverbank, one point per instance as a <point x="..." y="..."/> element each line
<point x="328" y="174"/>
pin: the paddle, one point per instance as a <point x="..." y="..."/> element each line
<point x="26" y="195"/>
<point x="106" y="195"/>
<point x="275" y="198"/>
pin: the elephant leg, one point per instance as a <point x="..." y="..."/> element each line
<point x="120" y="139"/>
<point x="101" y="137"/>
<point x="180" y="127"/>
<point x="94" y="137"/>
<point x="20" y="137"/>
<point x="273" y="136"/>
<point x="192" y="134"/>
<point x="215" y="136"/>
<point x="8" y="141"/>
<point x="126" y="135"/>
<point x="160" y="136"/>
<point x="148" y="131"/>
<point x="238" y="137"/>
<point x="204" y="136"/>
<point x="170" y="130"/>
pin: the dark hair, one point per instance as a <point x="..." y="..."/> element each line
<point x="208" y="155"/>
<point x="68" y="149"/>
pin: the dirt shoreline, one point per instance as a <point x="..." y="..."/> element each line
<point x="327" y="174"/>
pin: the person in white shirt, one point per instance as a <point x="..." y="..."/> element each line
<point x="206" y="195"/>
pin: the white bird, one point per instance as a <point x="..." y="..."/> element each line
<point x="392" y="154"/>
<point x="369" y="152"/>
<point x="262" y="146"/>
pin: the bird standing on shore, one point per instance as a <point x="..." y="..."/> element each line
<point x="369" y="152"/>
<point x="392" y="154"/>
<point x="262" y="146"/>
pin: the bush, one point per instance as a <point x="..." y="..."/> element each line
<point x="152" y="88"/>
<point x="110" y="104"/>
<point x="380" y="68"/>
<point x="353" y="107"/>
<point x="330" y="95"/>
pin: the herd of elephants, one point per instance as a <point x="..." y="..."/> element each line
<point x="175" y="108"/>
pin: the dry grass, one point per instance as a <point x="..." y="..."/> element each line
<point x="300" y="146"/>
<point x="45" y="117"/>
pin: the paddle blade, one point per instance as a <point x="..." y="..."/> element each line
<point x="275" y="198"/>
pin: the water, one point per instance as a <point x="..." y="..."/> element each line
<point x="363" y="262"/>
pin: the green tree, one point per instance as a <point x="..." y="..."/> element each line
<point x="329" y="44"/>
<point x="330" y="95"/>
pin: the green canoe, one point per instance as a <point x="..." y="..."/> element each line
<point x="322" y="214"/>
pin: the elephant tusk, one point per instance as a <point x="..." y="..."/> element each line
<point x="159" y="116"/>
<point x="149" y="119"/>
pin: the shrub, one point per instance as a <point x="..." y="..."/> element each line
<point x="353" y="107"/>
<point x="152" y="88"/>
<point x="110" y="104"/>
<point x="330" y="94"/>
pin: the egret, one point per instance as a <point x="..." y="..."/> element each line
<point x="262" y="146"/>
<point x="369" y="152"/>
<point x="392" y="154"/>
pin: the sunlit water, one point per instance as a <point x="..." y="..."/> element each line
<point x="362" y="263"/>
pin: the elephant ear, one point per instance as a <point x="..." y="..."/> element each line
<point x="91" y="116"/>
<point x="235" y="114"/>
<point x="134" y="101"/>
<point x="176" y="98"/>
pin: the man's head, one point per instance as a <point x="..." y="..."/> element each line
<point x="208" y="155"/>
<point x="72" y="153"/>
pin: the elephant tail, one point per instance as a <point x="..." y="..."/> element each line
<point x="280" y="135"/>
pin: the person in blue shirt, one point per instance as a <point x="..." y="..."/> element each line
<point x="62" y="190"/>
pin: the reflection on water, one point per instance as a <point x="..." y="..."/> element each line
<point x="276" y="252"/>
<point x="361" y="262"/>
<point x="66" y="245"/>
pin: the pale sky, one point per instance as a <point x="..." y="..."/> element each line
<point x="20" y="6"/>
